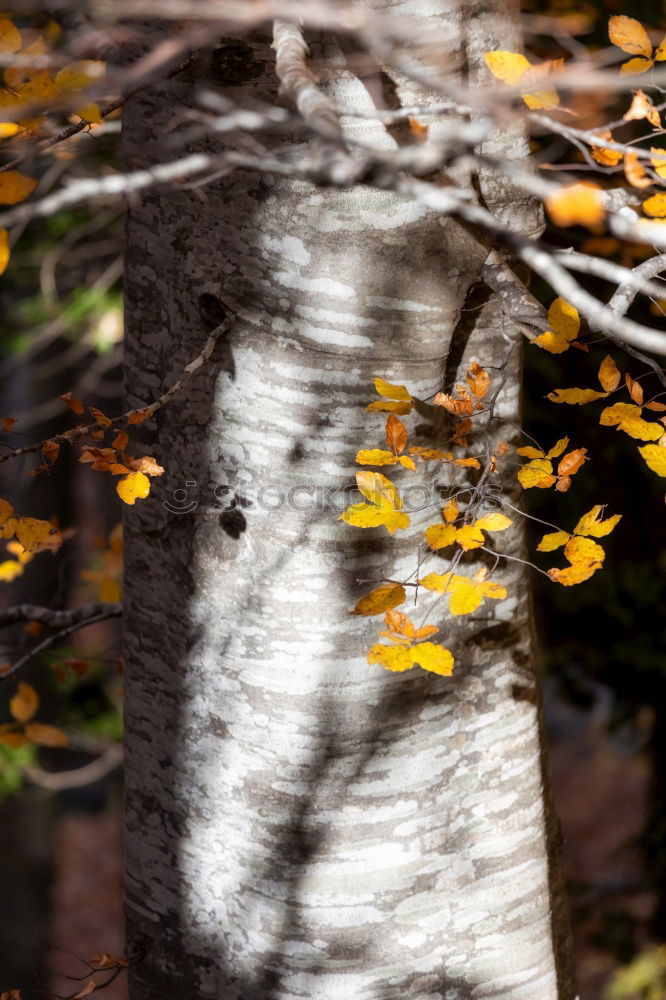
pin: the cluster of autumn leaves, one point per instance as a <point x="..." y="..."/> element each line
<point x="29" y="87"/>
<point x="465" y="528"/>
<point x="583" y="203"/>
<point x="30" y="535"/>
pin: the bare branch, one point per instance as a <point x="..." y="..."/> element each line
<point x="57" y="781"/>
<point x="144" y="412"/>
<point x="59" y="619"/>
<point x="299" y="82"/>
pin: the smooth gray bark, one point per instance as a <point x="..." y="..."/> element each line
<point x="300" y="824"/>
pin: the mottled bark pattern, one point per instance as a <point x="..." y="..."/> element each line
<point x="300" y="824"/>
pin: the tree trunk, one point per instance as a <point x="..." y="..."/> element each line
<point x="299" y="823"/>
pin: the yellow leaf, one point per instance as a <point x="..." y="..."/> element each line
<point x="629" y="35"/>
<point x="10" y="36"/>
<point x="529" y="452"/>
<point x="109" y="590"/>
<point x="77" y="76"/>
<point x="579" y="204"/>
<point x="6" y="511"/>
<point x="132" y="487"/>
<point x="451" y="511"/>
<point x="493" y="522"/>
<point x="592" y="524"/>
<point x="577" y="573"/>
<point x="9" y="570"/>
<point x="89" y="113"/>
<point x="655" y="206"/>
<point x="390" y="391"/>
<point x="381" y="599"/>
<point x="494" y="590"/>
<point x="440" y="535"/>
<point x="469" y="537"/>
<point x="385" y="506"/>
<point x="660" y="54"/>
<point x="467" y="463"/>
<point x="363" y="515"/>
<point x="433" y="657"/>
<point x="637" y="65"/>
<point x="45" y="736"/>
<point x="554" y="343"/>
<point x="558" y="448"/>
<point x="553" y="540"/>
<point x="24" y="703"/>
<point x="430" y="454"/>
<point x="564" y="318"/>
<point x="627" y="418"/>
<point x="541" y="100"/>
<point x="579" y="549"/>
<point x="4" y="250"/>
<point x="655" y="456"/>
<point x="15" y="187"/>
<point x="465" y="595"/>
<point x="376" y="456"/>
<point x="507" y="66"/>
<point x="609" y="374"/>
<point x="37" y="536"/>
<point x="377" y="488"/>
<point x="385" y="407"/>
<point x="406" y="462"/>
<point x="658" y="160"/>
<point x="395" y="658"/>
<point x="536" y="473"/>
<point x="573" y="396"/>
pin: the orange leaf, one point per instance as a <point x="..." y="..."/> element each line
<point x="478" y="380"/>
<point x="635" y="390"/>
<point x="572" y="462"/>
<point x="389" y="595"/>
<point x="609" y="375"/>
<point x="24" y="703"/>
<point x="461" y="407"/>
<point x="629" y="35"/>
<point x="656" y="205"/>
<point x="15" y="187"/>
<point x="642" y="107"/>
<point x="45" y="736"/>
<point x="74" y="404"/>
<point x="99" y="417"/>
<point x="396" y="434"/>
<point x="634" y="171"/>
<point x="579" y="204"/>
<point x="147" y="465"/>
<point x="139" y="416"/>
<point x="606" y="157"/>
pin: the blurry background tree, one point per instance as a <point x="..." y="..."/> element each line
<point x="66" y="338"/>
